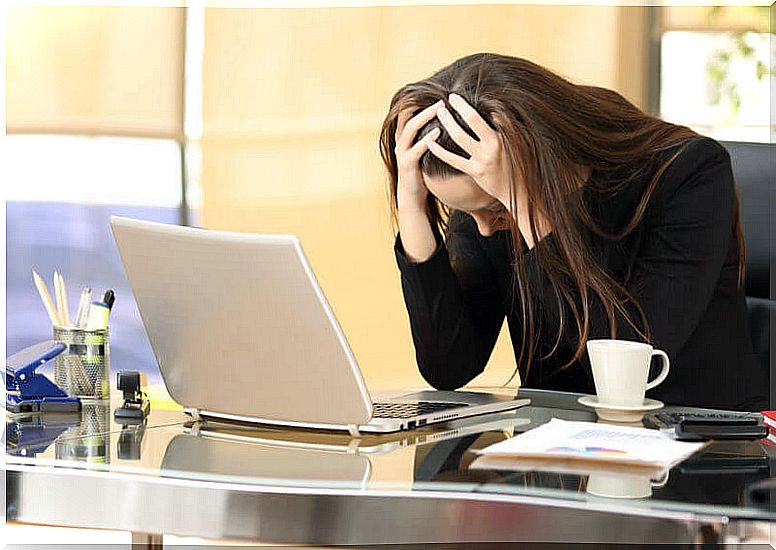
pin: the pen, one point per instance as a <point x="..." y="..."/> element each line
<point x="109" y="297"/>
<point x="46" y="298"/>
<point x="82" y="314"/>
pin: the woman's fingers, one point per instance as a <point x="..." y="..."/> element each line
<point x="416" y="151"/>
<point x="458" y="134"/>
<point x="471" y="116"/>
<point x="411" y="127"/>
<point x="413" y="154"/>
<point x="482" y="154"/>
<point x="461" y="163"/>
<point x="401" y="121"/>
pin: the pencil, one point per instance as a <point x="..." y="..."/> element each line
<point x="45" y="298"/>
<point x="58" y="299"/>
<point x="65" y="307"/>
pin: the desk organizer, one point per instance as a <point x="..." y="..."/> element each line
<point x="89" y="440"/>
<point x="83" y="369"/>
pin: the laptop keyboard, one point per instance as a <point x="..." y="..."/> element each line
<point x="408" y="410"/>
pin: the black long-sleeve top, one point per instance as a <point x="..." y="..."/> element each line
<point x="680" y="263"/>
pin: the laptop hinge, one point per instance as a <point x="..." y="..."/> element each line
<point x="353" y="430"/>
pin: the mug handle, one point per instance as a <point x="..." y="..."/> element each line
<point x="663" y="372"/>
<point x="661" y="482"/>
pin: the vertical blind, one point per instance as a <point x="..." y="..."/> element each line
<point x="95" y="70"/>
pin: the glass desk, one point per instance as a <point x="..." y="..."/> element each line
<point x="177" y="476"/>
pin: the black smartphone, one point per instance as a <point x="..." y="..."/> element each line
<point x="700" y="430"/>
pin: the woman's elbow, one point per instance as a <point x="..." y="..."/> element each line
<point x="440" y="382"/>
<point x="443" y="374"/>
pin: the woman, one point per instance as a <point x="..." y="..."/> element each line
<point x="577" y="216"/>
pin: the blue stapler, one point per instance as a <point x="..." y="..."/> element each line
<point x="28" y="391"/>
<point x="30" y="434"/>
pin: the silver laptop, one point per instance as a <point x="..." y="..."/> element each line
<point x="242" y="331"/>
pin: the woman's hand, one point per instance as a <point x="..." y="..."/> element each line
<point x="489" y="164"/>
<point x="411" y="189"/>
<point x="417" y="236"/>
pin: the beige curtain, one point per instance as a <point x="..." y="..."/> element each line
<point x="95" y="70"/>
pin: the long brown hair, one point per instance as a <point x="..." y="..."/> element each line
<point x="550" y="127"/>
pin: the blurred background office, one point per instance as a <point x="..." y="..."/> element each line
<point x="266" y="120"/>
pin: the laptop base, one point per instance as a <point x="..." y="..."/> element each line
<point x="376" y="425"/>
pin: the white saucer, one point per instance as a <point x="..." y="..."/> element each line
<point x="620" y="413"/>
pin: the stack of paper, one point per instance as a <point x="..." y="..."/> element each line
<point x="587" y="442"/>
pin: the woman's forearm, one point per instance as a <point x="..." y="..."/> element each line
<point x="417" y="235"/>
<point x="454" y="320"/>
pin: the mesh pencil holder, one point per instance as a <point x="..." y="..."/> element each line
<point x="88" y="441"/>
<point x="83" y="369"/>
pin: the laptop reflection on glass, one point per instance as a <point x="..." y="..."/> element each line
<point x="242" y="331"/>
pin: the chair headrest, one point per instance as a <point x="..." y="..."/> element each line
<point x="754" y="170"/>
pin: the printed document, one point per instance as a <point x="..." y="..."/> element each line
<point x="591" y="442"/>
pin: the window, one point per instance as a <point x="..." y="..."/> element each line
<point x="714" y="70"/>
<point x="63" y="190"/>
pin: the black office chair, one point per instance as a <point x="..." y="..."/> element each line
<point x="754" y="170"/>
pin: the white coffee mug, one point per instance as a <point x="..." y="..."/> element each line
<point x="623" y="486"/>
<point x="620" y="370"/>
